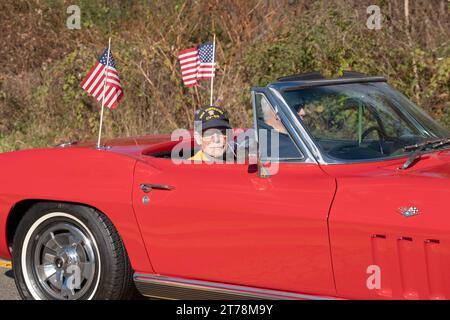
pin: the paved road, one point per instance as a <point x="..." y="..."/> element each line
<point x="8" y="289"/>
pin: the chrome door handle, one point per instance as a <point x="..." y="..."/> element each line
<point x="147" y="187"/>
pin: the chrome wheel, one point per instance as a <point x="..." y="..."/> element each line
<point x="61" y="261"/>
<point x="65" y="251"/>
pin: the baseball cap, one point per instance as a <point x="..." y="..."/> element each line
<point x="212" y="117"/>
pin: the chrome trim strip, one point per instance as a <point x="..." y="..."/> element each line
<point x="255" y="122"/>
<point x="225" y="288"/>
<point x="66" y="144"/>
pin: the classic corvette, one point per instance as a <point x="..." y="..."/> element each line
<point x="355" y="210"/>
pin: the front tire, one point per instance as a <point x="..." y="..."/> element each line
<point x="70" y="252"/>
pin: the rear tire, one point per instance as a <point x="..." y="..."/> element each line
<point x="65" y="251"/>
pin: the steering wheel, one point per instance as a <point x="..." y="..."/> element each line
<point x="364" y="135"/>
<point x="398" y="144"/>
<point x="381" y="133"/>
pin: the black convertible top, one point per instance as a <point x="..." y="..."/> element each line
<point x="316" y="79"/>
<point x="316" y="75"/>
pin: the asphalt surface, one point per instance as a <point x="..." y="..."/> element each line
<point x="8" y="289"/>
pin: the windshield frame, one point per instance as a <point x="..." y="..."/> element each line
<point x="279" y="88"/>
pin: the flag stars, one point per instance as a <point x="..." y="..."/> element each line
<point x="197" y="63"/>
<point x="205" y="52"/>
<point x="104" y="59"/>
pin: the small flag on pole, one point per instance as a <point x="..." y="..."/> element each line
<point x="197" y="63"/>
<point x="95" y="83"/>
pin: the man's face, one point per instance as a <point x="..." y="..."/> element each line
<point x="270" y="118"/>
<point x="213" y="142"/>
<point x="302" y="113"/>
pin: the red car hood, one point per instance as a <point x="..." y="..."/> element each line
<point x="136" y="146"/>
<point x="433" y="165"/>
<point x="140" y="141"/>
<point x="132" y="146"/>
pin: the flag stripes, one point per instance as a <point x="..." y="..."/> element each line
<point x="104" y="79"/>
<point x="197" y="64"/>
<point x="189" y="63"/>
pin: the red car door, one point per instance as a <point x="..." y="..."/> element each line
<point x="224" y="223"/>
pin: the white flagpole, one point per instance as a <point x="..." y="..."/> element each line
<point x="214" y="72"/>
<point x="103" y="97"/>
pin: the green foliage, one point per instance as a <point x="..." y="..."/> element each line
<point x="335" y="41"/>
<point x="42" y="103"/>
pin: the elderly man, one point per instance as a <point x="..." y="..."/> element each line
<point x="210" y="133"/>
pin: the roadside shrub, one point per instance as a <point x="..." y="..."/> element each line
<point x="43" y="63"/>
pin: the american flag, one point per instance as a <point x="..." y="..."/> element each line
<point x="197" y="63"/>
<point x="95" y="81"/>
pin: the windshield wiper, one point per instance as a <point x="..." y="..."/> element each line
<point x="421" y="145"/>
<point x="441" y="143"/>
<point x="420" y="148"/>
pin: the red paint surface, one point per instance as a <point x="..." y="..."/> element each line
<point x="307" y="229"/>
<point x="101" y="179"/>
<point x="223" y="223"/>
<point x="367" y="204"/>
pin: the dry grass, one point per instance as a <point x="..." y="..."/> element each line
<point x="43" y="63"/>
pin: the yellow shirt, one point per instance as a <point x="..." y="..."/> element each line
<point x="200" y="156"/>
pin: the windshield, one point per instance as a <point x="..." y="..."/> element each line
<point x="362" y="121"/>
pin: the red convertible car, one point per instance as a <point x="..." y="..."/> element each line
<point x="355" y="210"/>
